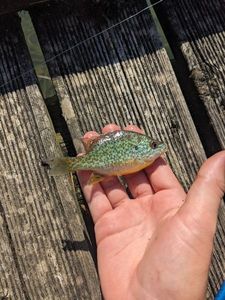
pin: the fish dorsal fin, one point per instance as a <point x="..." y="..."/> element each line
<point x="89" y="143"/>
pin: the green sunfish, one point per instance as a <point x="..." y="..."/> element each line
<point x="113" y="154"/>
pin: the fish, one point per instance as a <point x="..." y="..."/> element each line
<point x="117" y="153"/>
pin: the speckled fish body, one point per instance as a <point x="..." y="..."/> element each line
<point x="113" y="154"/>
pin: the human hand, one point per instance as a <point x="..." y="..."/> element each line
<point x="159" y="244"/>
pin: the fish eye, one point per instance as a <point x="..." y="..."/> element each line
<point x="154" y="145"/>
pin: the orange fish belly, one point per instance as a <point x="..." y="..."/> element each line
<point x="130" y="169"/>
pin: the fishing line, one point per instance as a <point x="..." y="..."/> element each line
<point x="84" y="41"/>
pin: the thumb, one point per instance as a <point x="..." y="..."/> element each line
<point x="203" y="198"/>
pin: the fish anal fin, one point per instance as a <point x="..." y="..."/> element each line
<point x="95" y="178"/>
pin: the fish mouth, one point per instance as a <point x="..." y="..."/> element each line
<point x="162" y="148"/>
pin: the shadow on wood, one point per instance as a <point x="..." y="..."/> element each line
<point x="16" y="71"/>
<point x="196" y="31"/>
<point x="115" y="42"/>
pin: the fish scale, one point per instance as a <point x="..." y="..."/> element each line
<point x="113" y="154"/>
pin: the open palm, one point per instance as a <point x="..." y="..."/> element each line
<point x="158" y="244"/>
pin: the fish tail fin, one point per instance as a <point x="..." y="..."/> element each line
<point x="61" y="165"/>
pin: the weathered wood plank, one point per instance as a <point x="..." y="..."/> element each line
<point x="109" y="80"/>
<point x="10" y="275"/>
<point x="123" y="76"/>
<point x="198" y="29"/>
<point x="38" y="213"/>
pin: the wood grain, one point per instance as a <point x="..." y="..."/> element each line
<point x="199" y="31"/>
<point x="45" y="251"/>
<point x="123" y="76"/>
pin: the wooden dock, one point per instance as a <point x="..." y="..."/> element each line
<point x="123" y="76"/>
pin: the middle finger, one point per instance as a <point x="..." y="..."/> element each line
<point x="112" y="187"/>
<point x="138" y="183"/>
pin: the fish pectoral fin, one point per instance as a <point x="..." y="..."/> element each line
<point x="95" y="178"/>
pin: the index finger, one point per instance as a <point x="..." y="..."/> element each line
<point x="96" y="198"/>
<point x="162" y="177"/>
